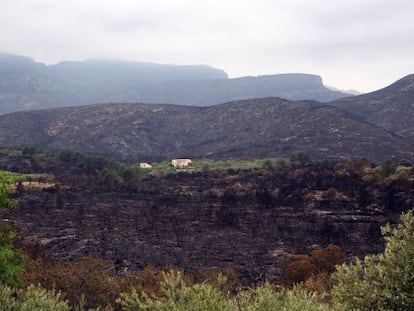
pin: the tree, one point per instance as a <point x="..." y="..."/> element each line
<point x="5" y="182"/>
<point x="300" y="158"/>
<point x="12" y="261"/>
<point x="387" y="168"/>
<point x="110" y="177"/>
<point x="384" y="281"/>
<point x="267" y="164"/>
<point x="133" y="174"/>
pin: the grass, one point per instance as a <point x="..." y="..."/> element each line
<point x="32" y="177"/>
<point x="203" y="165"/>
<point x="32" y="181"/>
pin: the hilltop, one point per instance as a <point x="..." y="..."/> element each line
<point x="391" y="108"/>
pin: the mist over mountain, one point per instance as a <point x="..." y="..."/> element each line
<point x="27" y="85"/>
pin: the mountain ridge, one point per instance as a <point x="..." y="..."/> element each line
<point x="250" y="128"/>
<point x="28" y="85"/>
<point x="391" y="108"/>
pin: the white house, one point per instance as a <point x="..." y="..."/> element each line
<point x="180" y="163"/>
<point x="145" y="165"/>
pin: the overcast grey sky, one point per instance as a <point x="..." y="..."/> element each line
<point x="359" y="44"/>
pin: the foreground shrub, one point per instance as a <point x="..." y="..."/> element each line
<point x="321" y="261"/>
<point x="90" y="282"/>
<point x="381" y="282"/>
<point x="32" y="298"/>
<point x="12" y="260"/>
<point x="176" y="295"/>
<point x="267" y="298"/>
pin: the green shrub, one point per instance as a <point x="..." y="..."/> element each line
<point x="381" y="282"/>
<point x="267" y="165"/>
<point x="267" y="298"/>
<point x="6" y="181"/>
<point x="176" y="295"/>
<point x="33" y="298"/>
<point x="12" y="261"/>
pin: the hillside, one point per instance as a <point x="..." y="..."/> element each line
<point x="251" y="219"/>
<point x="391" y="108"/>
<point x="28" y="85"/>
<point x="251" y="128"/>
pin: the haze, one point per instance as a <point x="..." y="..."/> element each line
<point x="353" y="44"/>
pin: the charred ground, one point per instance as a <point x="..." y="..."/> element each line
<point x="251" y="219"/>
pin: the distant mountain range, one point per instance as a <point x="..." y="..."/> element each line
<point x="376" y="125"/>
<point x="28" y="85"/>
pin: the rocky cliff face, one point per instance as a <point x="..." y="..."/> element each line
<point x="253" y="220"/>
<point x="27" y="85"/>
<point x="213" y="92"/>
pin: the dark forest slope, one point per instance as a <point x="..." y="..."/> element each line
<point x="391" y="108"/>
<point x="250" y="128"/>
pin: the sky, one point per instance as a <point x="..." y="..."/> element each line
<point x="353" y="44"/>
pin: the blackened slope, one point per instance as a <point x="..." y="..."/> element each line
<point x="391" y="108"/>
<point x="250" y="128"/>
<point x="253" y="220"/>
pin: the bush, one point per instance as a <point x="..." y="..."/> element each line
<point x="303" y="267"/>
<point x="5" y="182"/>
<point x="213" y="277"/>
<point x="267" y="298"/>
<point x="300" y="158"/>
<point x="205" y="167"/>
<point x="33" y="298"/>
<point x="176" y="295"/>
<point x="89" y="281"/>
<point x="267" y="165"/>
<point x="12" y="260"/>
<point x="381" y="282"/>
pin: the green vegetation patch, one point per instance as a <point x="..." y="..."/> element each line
<point x="203" y="165"/>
